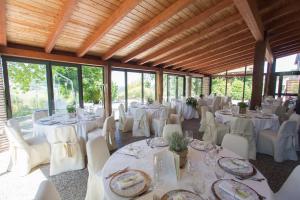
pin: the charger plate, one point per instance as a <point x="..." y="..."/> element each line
<point x="201" y="145"/>
<point x="237" y="167"/>
<point x="134" y="190"/>
<point x="242" y="191"/>
<point x="185" y="193"/>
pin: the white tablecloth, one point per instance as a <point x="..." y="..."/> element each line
<point x="152" y="111"/>
<point x="82" y="127"/>
<point x="258" y="123"/>
<point x="188" y="111"/>
<point x="119" y="161"/>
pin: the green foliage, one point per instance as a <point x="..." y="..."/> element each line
<point x="149" y="100"/>
<point x="196" y="86"/>
<point x="92" y="83"/>
<point x="71" y="108"/>
<point x="177" y="142"/>
<point x="218" y="86"/>
<point x="191" y="102"/>
<point x="242" y="105"/>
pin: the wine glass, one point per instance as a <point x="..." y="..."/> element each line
<point x="189" y="135"/>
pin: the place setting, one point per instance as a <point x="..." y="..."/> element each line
<point x="157" y="142"/>
<point x="201" y="145"/>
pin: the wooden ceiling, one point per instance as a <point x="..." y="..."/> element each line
<point x="199" y="36"/>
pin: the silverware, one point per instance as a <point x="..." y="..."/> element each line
<point x="117" y="172"/>
<point x="127" y="154"/>
<point x="250" y="178"/>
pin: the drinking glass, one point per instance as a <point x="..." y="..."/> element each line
<point x="189" y="135"/>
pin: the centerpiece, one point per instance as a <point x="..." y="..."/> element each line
<point x="71" y="109"/>
<point x="179" y="145"/>
<point x="149" y="101"/>
<point x="191" y="101"/>
<point x="243" y="107"/>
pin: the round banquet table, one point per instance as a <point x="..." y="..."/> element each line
<point x="188" y="111"/>
<point x="119" y="161"/>
<point x="82" y="126"/>
<point x="259" y="122"/>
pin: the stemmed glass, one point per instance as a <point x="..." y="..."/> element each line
<point x="189" y="135"/>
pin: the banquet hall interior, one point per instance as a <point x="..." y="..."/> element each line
<point x="149" y="99"/>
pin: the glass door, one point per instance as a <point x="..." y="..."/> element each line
<point x="118" y="88"/>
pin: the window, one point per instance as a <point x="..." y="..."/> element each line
<point x="92" y="83"/>
<point x="235" y="87"/>
<point x="65" y="87"/>
<point x="290" y="84"/>
<point x="28" y="89"/>
<point x="118" y="91"/>
<point x="288" y="63"/>
<point x="218" y="85"/>
<point x="196" y="87"/>
<point x="248" y="88"/>
<point x="149" y="86"/>
<point x="173" y="87"/>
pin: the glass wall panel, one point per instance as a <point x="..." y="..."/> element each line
<point x="248" y="88"/>
<point x="196" y="87"/>
<point x="28" y="90"/>
<point x="180" y="87"/>
<point x="65" y="87"/>
<point x="134" y="87"/>
<point x="218" y="86"/>
<point x="235" y="87"/>
<point x="117" y="91"/>
<point x="92" y="83"/>
<point x="165" y="88"/>
<point x="172" y="87"/>
<point x="149" y="86"/>
<point x="290" y="84"/>
<point x="288" y="63"/>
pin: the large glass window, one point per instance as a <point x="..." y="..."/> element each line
<point x="28" y="89"/>
<point x="65" y="87"/>
<point x="117" y="91"/>
<point x="196" y="87"/>
<point x="218" y="86"/>
<point x="235" y="87"/>
<point x="149" y="86"/>
<point x="173" y="87"/>
<point x="290" y="84"/>
<point x="92" y="83"/>
<point x="248" y="88"/>
<point x="134" y="87"/>
<point x="288" y="63"/>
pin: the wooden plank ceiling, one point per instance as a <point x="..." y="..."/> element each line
<point x="199" y="36"/>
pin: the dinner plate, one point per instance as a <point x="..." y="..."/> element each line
<point x="184" y="194"/>
<point x="201" y="145"/>
<point x="131" y="191"/>
<point x="237" y="167"/>
<point x="228" y="189"/>
<point x="158" y="142"/>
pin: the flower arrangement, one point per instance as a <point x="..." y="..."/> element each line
<point x="243" y="107"/>
<point x="71" y="108"/>
<point x="149" y="100"/>
<point x="179" y="145"/>
<point x="191" y="101"/>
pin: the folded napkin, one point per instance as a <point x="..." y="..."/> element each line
<point x="130" y="181"/>
<point x="131" y="151"/>
<point x="235" y="192"/>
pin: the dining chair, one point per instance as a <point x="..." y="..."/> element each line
<point x="170" y="129"/>
<point x="281" y="144"/>
<point x="236" y="144"/>
<point x="140" y="124"/>
<point x="215" y="105"/>
<point x="204" y="109"/>
<point x="290" y="189"/>
<point x="100" y="114"/>
<point x="125" y="121"/>
<point x="97" y="154"/>
<point x="244" y="127"/>
<point x="174" y="119"/>
<point x="25" y="154"/>
<point x="159" y="123"/>
<point x="47" y="191"/>
<point x="108" y="132"/>
<point x="214" y="131"/>
<point x="66" y="152"/>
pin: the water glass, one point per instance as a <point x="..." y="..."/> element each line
<point x="189" y="135"/>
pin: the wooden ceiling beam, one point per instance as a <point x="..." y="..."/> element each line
<point x="217" y="38"/>
<point x="107" y="25"/>
<point x="286" y="38"/>
<point x="221" y="56"/>
<point x="291" y="46"/>
<point x="159" y="19"/>
<point x="286" y="45"/>
<point x="60" y="22"/>
<point x="282" y="22"/>
<point x="230" y="67"/>
<point x="249" y="12"/>
<point x="3" y="40"/>
<point x="287" y="53"/>
<point x="287" y="50"/>
<point x="191" y="39"/>
<point x="178" y="29"/>
<point x="223" y="47"/>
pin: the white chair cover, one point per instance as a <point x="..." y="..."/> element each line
<point x="290" y="189"/>
<point x="215" y="105"/>
<point x="97" y="154"/>
<point x="66" y="153"/>
<point x="158" y="124"/>
<point x="47" y="191"/>
<point x="214" y="132"/>
<point x="280" y="145"/>
<point x="204" y="109"/>
<point x="170" y="129"/>
<point x="174" y="119"/>
<point x="295" y="117"/>
<point x="100" y="112"/>
<point x="25" y="154"/>
<point x="140" y="124"/>
<point x="39" y="114"/>
<point x="236" y="144"/>
<point x="244" y="127"/>
<point x="125" y="122"/>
